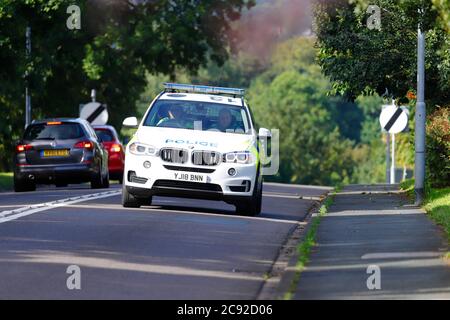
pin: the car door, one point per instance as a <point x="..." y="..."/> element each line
<point x="101" y="152"/>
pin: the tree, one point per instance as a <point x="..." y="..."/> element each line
<point x="238" y="71"/>
<point x="118" y="43"/>
<point x="311" y="148"/>
<point x="360" y="61"/>
<point x="443" y="7"/>
<point x="291" y="96"/>
<point x="370" y="107"/>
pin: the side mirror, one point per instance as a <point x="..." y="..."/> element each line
<point x="264" y="133"/>
<point x="265" y="140"/>
<point x="130" y="122"/>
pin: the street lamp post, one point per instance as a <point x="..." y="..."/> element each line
<point x="27" y="91"/>
<point x="419" y="165"/>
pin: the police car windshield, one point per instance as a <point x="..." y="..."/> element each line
<point x="198" y="115"/>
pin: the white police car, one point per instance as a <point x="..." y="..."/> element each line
<point x="196" y="142"/>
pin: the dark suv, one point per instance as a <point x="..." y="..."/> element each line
<point x="60" y="151"/>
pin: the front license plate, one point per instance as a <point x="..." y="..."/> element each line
<point x="191" y="177"/>
<point x="55" y="153"/>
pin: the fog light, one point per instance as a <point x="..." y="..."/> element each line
<point x="147" y="164"/>
<point x="232" y="171"/>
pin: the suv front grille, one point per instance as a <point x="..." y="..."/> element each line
<point x="189" y="169"/>
<point x="174" y="155"/>
<point x="206" y="158"/>
<point x="172" y="184"/>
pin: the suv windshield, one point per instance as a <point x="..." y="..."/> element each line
<point x="198" y="115"/>
<point x="63" y="131"/>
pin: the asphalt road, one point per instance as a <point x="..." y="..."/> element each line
<point x="175" y="249"/>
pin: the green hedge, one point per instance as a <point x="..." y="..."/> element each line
<point x="438" y="148"/>
<point x="6" y="181"/>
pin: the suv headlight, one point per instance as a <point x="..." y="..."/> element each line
<point x="141" y="149"/>
<point x="238" y="157"/>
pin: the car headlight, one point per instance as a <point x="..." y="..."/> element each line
<point x="141" y="149"/>
<point x="238" y="157"/>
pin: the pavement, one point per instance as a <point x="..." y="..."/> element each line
<point x="371" y="231"/>
<point x="174" y="249"/>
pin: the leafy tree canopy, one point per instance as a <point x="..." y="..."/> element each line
<point x="359" y="60"/>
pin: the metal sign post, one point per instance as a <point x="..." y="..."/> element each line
<point x="388" y="158"/>
<point x="393" y="120"/>
<point x="393" y="158"/>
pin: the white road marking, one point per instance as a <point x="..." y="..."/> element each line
<point x="291" y="185"/>
<point x="9" y="215"/>
<point x="402" y="255"/>
<point x="11" y="206"/>
<point x="280" y="195"/>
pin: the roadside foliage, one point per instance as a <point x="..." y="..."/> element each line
<point x="359" y="60"/>
<point x="438" y="140"/>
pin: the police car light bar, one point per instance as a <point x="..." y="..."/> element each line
<point x="204" y="89"/>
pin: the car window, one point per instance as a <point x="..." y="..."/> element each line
<point x="62" y="131"/>
<point x="198" y="115"/>
<point x="104" y="135"/>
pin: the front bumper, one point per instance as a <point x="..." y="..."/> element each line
<point x="159" y="179"/>
<point x="74" y="173"/>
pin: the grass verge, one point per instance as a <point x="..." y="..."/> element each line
<point x="436" y="204"/>
<point x="6" y="181"/>
<point x="304" y="248"/>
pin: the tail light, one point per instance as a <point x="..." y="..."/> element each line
<point x="115" y="148"/>
<point x="84" y="145"/>
<point x="23" y="147"/>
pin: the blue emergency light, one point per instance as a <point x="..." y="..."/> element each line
<point x="203" y="89"/>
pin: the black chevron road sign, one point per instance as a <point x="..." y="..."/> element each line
<point x="94" y="112"/>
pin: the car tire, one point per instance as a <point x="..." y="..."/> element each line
<point x="145" y="201"/>
<point x="23" y="185"/>
<point x="128" y="200"/>
<point x="251" y="207"/>
<point x="97" y="180"/>
<point x="106" y="181"/>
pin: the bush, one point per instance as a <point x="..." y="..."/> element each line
<point x="438" y="147"/>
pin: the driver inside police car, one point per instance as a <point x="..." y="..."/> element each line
<point x="171" y="113"/>
<point x="225" y="120"/>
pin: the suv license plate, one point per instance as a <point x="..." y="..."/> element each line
<point x="55" y="153"/>
<point x="191" y="177"/>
